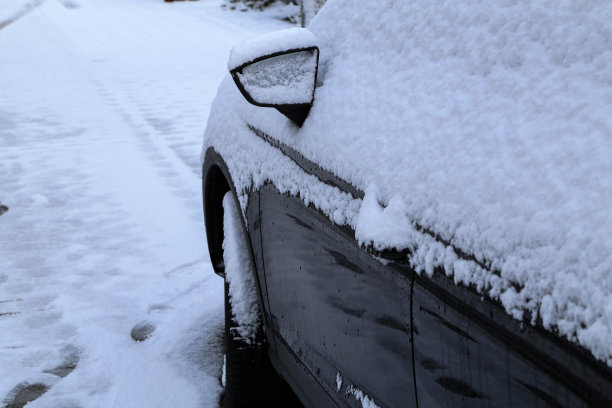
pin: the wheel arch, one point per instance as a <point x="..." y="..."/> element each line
<point x="216" y="182"/>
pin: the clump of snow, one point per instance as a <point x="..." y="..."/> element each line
<point x="338" y="382"/>
<point x="267" y="44"/>
<point x="239" y="273"/>
<point x="366" y="401"/>
<point x="377" y="224"/>
<point x="484" y="125"/>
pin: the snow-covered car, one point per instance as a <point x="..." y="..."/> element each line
<point x="411" y="204"/>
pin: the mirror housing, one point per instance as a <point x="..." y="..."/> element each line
<point x="278" y="70"/>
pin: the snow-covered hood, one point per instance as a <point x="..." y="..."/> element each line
<point x="486" y="123"/>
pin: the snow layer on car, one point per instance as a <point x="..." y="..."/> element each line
<point x="284" y="79"/>
<point x="267" y="44"/>
<point x="486" y="124"/>
<point x="252" y="161"/>
<point x="366" y="401"/>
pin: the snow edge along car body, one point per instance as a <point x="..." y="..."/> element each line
<point x="346" y="323"/>
<point x="364" y="296"/>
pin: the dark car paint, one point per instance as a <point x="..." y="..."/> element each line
<point x="404" y="339"/>
<point x="335" y="306"/>
<point x="469" y="352"/>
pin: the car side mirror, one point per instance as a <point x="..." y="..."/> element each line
<point x="278" y="70"/>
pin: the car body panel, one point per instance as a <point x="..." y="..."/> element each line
<point x="320" y="289"/>
<point x="341" y="311"/>
<point x="470" y="353"/>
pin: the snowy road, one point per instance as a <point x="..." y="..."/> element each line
<point x="102" y="108"/>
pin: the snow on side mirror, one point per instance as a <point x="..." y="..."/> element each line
<point x="278" y="70"/>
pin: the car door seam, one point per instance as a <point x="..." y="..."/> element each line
<point x="414" y="378"/>
<point x="263" y="265"/>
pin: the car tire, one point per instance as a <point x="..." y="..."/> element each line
<point x="246" y="367"/>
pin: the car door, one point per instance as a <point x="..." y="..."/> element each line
<point x="339" y="311"/>
<point x="470" y="353"/>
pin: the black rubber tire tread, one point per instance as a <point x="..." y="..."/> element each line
<point x="246" y="367"/>
<point x="250" y="379"/>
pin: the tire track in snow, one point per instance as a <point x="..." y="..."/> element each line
<point x="168" y="165"/>
<point x="68" y="195"/>
<point x="171" y="95"/>
<point x="95" y="270"/>
<point x="32" y="5"/>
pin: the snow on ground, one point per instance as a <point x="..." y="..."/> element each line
<point x="102" y="107"/>
<point x="11" y="11"/>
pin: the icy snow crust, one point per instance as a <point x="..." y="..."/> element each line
<point x="488" y="124"/>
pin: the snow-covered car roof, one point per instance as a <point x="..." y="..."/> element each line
<point x="488" y="124"/>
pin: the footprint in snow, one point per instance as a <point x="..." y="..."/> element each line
<point x="28" y="391"/>
<point x="70" y="360"/>
<point x="25" y="393"/>
<point x="142" y="331"/>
